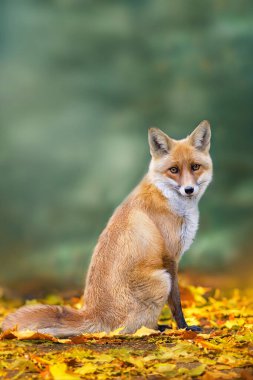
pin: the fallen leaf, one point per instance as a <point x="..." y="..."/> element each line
<point x="224" y="350"/>
<point x="143" y="331"/>
<point x="197" y="371"/>
<point x="87" y="368"/>
<point x="59" y="372"/>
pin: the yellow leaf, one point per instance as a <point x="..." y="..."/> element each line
<point x="192" y="321"/>
<point x="248" y="337"/>
<point x="217" y="375"/>
<point x="204" y="336"/>
<point x="58" y="372"/>
<point x="149" y="358"/>
<point x="199" y="299"/>
<point x="137" y="362"/>
<point x="23" y="364"/>
<point x="197" y="371"/>
<point x="238" y="322"/>
<point x="63" y="341"/>
<point x="86" y="368"/>
<point x="227" y="359"/>
<point x="116" y="332"/>
<point x="53" y="299"/>
<point x="208" y="361"/>
<point x="209" y="345"/>
<point x="221" y="367"/>
<point x="105" y="358"/>
<point x="165" y="367"/>
<point x="145" y="331"/>
<point x="93" y="335"/>
<point x="78" y="305"/>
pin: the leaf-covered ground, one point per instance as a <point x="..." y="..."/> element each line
<point x="224" y="350"/>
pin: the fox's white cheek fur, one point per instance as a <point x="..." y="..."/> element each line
<point x="203" y="181"/>
<point x="164" y="184"/>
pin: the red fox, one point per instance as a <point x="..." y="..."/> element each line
<point x="133" y="270"/>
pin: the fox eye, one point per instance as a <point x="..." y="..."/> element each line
<point x="174" y="169"/>
<point x="195" y="167"/>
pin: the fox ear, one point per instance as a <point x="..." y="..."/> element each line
<point x="200" y="137"/>
<point x="159" y="143"/>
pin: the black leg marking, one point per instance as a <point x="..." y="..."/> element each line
<point x="174" y="300"/>
<point x="162" y="328"/>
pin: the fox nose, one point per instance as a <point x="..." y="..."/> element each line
<point x="189" y="190"/>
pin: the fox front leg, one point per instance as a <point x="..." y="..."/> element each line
<point x="174" y="300"/>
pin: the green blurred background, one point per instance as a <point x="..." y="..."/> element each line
<point x="81" y="82"/>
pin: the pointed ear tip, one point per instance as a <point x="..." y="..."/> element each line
<point x="152" y="130"/>
<point x="205" y="123"/>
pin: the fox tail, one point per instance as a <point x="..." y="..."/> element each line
<point x="59" y="321"/>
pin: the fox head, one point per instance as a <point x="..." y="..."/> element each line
<point x="181" y="168"/>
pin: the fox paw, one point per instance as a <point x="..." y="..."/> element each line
<point x="193" y="328"/>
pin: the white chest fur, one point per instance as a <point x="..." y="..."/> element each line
<point x="189" y="228"/>
<point x="187" y="209"/>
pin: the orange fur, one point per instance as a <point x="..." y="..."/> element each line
<point x="128" y="283"/>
